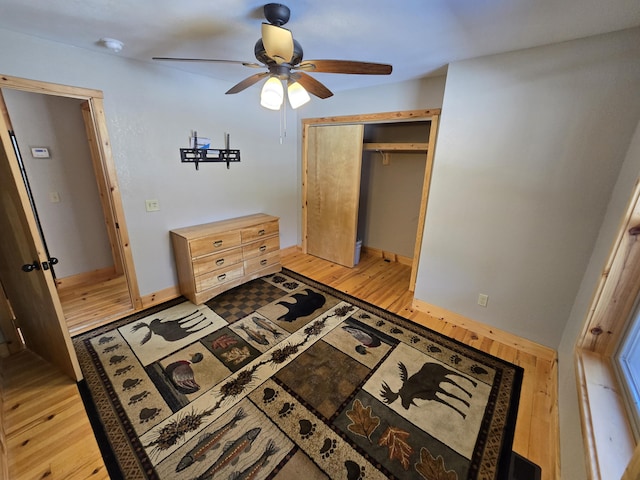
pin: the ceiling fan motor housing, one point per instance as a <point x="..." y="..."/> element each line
<point x="262" y="57"/>
<point x="276" y="13"/>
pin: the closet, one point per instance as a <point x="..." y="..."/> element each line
<point x="366" y="181"/>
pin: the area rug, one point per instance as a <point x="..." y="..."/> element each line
<point x="286" y="378"/>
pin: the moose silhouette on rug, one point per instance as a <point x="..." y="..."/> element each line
<point x="424" y="385"/>
<point x="173" y="330"/>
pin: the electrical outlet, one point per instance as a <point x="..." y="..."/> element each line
<point x="152" y="205"/>
<point x="483" y="299"/>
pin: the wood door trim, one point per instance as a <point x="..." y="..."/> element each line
<point x="426" y="186"/>
<point x="386" y="117"/>
<point x="109" y="171"/>
<point x="35" y="86"/>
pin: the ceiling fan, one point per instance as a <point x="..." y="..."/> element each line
<point x="281" y="55"/>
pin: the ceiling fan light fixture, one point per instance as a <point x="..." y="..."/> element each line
<point x="272" y="94"/>
<point x="297" y="94"/>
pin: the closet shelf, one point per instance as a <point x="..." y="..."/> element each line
<point x="397" y="147"/>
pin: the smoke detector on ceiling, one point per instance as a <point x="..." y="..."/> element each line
<point x="112" y="44"/>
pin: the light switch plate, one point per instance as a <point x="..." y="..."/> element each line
<point x="152" y="205"/>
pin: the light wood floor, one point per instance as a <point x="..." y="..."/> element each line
<point x="89" y="306"/>
<point x="48" y="434"/>
<point x="375" y="280"/>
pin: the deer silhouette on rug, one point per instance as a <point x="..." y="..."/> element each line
<point x="424" y="385"/>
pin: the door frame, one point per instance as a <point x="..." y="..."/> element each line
<point x="431" y="115"/>
<point x="104" y="169"/>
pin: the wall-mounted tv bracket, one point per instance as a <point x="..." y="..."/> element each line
<point x="207" y="155"/>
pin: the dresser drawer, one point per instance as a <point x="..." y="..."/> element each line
<point x="259" y="231"/>
<point x="218" y="277"/>
<point x="261" y="247"/>
<point x="258" y="263"/>
<point x="214" y="243"/>
<point x="215" y="261"/>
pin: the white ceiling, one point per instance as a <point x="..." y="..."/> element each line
<point x="418" y="37"/>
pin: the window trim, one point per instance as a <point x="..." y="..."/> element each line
<point x="624" y="375"/>
<point x="607" y="321"/>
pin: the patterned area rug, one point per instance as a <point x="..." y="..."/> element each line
<point x="286" y="378"/>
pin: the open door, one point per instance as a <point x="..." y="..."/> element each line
<point x="95" y="126"/>
<point x="24" y="269"/>
<point x="333" y="167"/>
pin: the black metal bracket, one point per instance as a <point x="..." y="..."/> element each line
<point x="209" y="155"/>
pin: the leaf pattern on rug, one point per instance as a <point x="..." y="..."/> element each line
<point x="364" y="423"/>
<point x="399" y="449"/>
<point x="433" y="468"/>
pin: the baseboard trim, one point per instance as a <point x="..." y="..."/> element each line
<point x="523" y="344"/>
<point x="91" y="277"/>
<point x="392" y="257"/>
<point x="160" y="296"/>
<point x="290" y="250"/>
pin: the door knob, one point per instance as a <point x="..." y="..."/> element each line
<point x="30" y="267"/>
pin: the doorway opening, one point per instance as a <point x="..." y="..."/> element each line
<point x="60" y="134"/>
<point x="333" y="205"/>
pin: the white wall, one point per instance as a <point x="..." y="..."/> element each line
<point x="529" y="148"/>
<point x="411" y="95"/>
<point x="73" y="227"/>
<point x="151" y="110"/>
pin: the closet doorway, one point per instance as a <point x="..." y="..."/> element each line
<point x="74" y="196"/>
<point x="338" y="178"/>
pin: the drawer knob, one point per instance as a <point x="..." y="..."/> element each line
<point x="263" y="262"/>
<point x="222" y="277"/>
<point x="220" y="261"/>
<point x="217" y="243"/>
<point x="263" y="248"/>
<point x="261" y="232"/>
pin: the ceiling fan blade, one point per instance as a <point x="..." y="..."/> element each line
<point x="247" y="82"/>
<point x="312" y="85"/>
<point x="345" y="66"/>
<point x="278" y="43"/>
<point x="179" y="59"/>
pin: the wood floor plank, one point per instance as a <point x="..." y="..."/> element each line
<point x="48" y="433"/>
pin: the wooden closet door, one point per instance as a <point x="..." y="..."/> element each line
<point x="334" y="159"/>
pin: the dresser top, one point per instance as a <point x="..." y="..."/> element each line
<point x="205" y="229"/>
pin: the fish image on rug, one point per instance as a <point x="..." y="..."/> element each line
<point x="231" y="453"/>
<point x="254" y="335"/>
<point x="173" y="330"/>
<point x="263" y="324"/>
<point x="208" y="442"/>
<point x="181" y="374"/>
<point x="251" y="472"/>
<point x="424" y="385"/>
<point x="304" y="304"/>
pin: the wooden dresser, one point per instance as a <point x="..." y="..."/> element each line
<point x="214" y="257"/>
